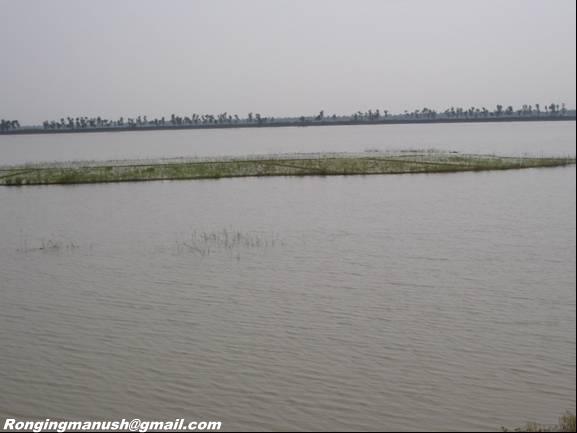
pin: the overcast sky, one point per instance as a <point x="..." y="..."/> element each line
<point x="113" y="58"/>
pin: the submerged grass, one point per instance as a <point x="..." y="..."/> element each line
<point x="313" y="165"/>
<point x="205" y="243"/>
<point x="46" y="245"/>
<point x="566" y="424"/>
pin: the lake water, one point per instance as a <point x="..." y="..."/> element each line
<point x="535" y="138"/>
<point x="400" y="302"/>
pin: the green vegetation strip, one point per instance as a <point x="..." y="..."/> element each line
<point x="427" y="162"/>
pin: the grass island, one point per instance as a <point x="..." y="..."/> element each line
<point x="368" y="163"/>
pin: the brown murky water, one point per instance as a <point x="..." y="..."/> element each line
<point x="412" y="302"/>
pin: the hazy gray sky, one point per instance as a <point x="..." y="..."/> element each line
<point x="112" y="58"/>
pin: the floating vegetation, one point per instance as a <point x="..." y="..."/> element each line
<point x="280" y="165"/>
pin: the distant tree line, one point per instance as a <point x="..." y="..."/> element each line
<point x="144" y="121"/>
<point x="463" y="113"/>
<point x="80" y="123"/>
<point x="7" y="125"/>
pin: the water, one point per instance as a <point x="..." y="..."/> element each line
<point x="535" y="138"/>
<point x="411" y="302"/>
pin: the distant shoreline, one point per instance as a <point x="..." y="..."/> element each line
<point x="291" y="123"/>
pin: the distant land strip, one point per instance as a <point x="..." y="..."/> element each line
<point x="278" y="123"/>
<point x="280" y="165"/>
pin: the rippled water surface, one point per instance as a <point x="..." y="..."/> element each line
<point x="411" y="302"/>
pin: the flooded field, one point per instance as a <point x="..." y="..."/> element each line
<point x="437" y="301"/>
